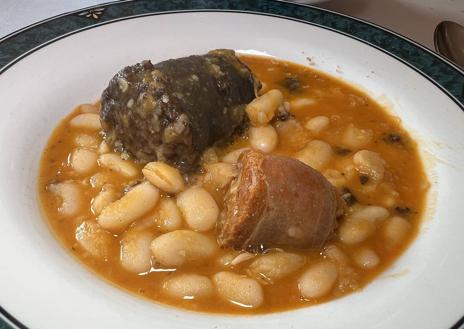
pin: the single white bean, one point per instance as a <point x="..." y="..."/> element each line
<point x="114" y="162"/>
<point x="135" y="250"/>
<point x="335" y="177"/>
<point x="220" y="174"/>
<point x="355" y="138"/>
<point x="209" y="156"/>
<point x="83" y="161"/>
<point x="168" y="217"/>
<point x="232" y="157"/>
<point x="291" y="133"/>
<point x="366" y="258"/>
<point x="104" y="148"/>
<point x="179" y="247"/>
<point x="198" y="207"/>
<point x="135" y="203"/>
<point x="395" y="231"/>
<point x="93" y="239"/>
<point x="238" y="289"/>
<point x="316" y="154"/>
<point x="302" y="103"/>
<point x="86" y="141"/>
<point x="353" y="231"/>
<point x="389" y="201"/>
<point x="98" y="180"/>
<point x="390" y="195"/>
<point x="241" y="258"/>
<point x="70" y="195"/>
<point x="227" y="258"/>
<point x="189" y="286"/>
<point x="317" y="124"/>
<point x="164" y="177"/>
<point x="335" y="254"/>
<point x="347" y="167"/>
<point x="263" y="108"/>
<point x="89" y="121"/>
<point x="318" y="280"/>
<point x="369" y="163"/>
<point x="371" y="213"/>
<point x="275" y="266"/>
<point x="263" y="138"/>
<point x="107" y="195"/>
<point x="146" y="222"/>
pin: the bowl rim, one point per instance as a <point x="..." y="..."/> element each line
<point x="445" y="75"/>
<point x="438" y="69"/>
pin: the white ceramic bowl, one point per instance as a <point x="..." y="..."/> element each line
<point x="43" y="286"/>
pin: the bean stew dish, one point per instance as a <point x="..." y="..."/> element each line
<point x="232" y="183"/>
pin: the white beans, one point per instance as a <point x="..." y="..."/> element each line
<point x="371" y="213"/>
<point x="227" y="258"/>
<point x="317" y="124"/>
<point x="262" y="109"/>
<point x="335" y="254"/>
<point x="347" y="167"/>
<point x="86" y="141"/>
<point x="209" y="156"/>
<point x="176" y="248"/>
<point x="241" y="258"/>
<point x="189" y="286"/>
<point x="239" y="289"/>
<point x="232" y="157"/>
<point x="263" y="138"/>
<point x="355" y="138"/>
<point x="390" y="195"/>
<point x="353" y="231"/>
<point x="114" y="162"/>
<point x="366" y="258"/>
<point x="70" y="195"/>
<point x="316" y="154"/>
<point x="318" y="280"/>
<point x="275" y="266"/>
<point x="291" y="133"/>
<point x="135" y="250"/>
<point x="369" y="163"/>
<point x="107" y="195"/>
<point x="93" y="239"/>
<point x="220" y="174"/>
<point x="301" y="103"/>
<point x="164" y="177"/>
<point x="89" y="121"/>
<point x="199" y="208"/>
<point x="335" y="177"/>
<point x="83" y="161"/>
<point x="395" y="231"/>
<point x="168" y="217"/>
<point x="104" y="148"/>
<point x="98" y="180"/>
<point x="135" y="203"/>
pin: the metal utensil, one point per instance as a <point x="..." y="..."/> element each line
<point x="449" y="41"/>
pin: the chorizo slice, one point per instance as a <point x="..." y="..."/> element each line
<point x="277" y="201"/>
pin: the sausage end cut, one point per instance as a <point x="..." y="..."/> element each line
<point x="278" y="201"/>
